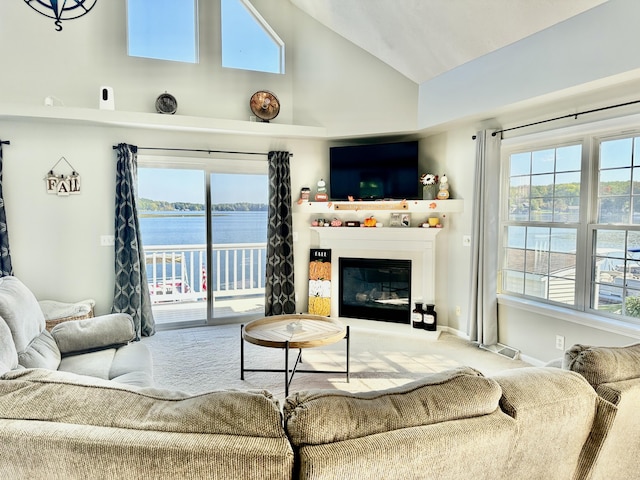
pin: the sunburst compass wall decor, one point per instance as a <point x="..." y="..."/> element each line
<point x="61" y="10"/>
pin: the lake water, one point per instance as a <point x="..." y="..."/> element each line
<point x="189" y="228"/>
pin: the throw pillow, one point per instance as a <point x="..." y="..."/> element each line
<point x="604" y="364"/>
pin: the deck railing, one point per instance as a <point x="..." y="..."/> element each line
<point x="177" y="273"/>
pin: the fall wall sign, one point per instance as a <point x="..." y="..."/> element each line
<point x="61" y="184"/>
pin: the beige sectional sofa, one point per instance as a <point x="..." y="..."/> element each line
<point x="531" y="423"/>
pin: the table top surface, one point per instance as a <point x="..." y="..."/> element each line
<point x="301" y="331"/>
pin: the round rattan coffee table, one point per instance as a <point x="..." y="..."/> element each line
<point x="293" y="331"/>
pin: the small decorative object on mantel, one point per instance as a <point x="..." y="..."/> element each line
<point x="429" y="186"/>
<point x="432" y="222"/>
<point x="370" y="222"/>
<point x="61" y="10"/>
<point x="443" y="191"/>
<point x="166" y="103"/>
<point x="321" y="192"/>
<point x="61" y="185"/>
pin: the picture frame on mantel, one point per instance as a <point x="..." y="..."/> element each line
<point x="405" y="219"/>
<point x="395" y="220"/>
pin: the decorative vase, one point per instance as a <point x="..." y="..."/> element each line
<point x="429" y="192"/>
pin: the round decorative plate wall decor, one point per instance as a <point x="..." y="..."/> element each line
<point x="264" y="105"/>
<point x="166" y="103"/>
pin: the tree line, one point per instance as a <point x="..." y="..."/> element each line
<point x="148" y="205"/>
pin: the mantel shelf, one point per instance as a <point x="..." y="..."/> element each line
<point x="419" y="206"/>
<point x="156" y="121"/>
<point x="417" y="234"/>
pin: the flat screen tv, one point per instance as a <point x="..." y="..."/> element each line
<point x="374" y="172"/>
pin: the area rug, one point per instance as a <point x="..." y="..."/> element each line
<point x="201" y="359"/>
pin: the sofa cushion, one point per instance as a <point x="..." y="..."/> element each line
<point x="604" y="364"/>
<point x="20" y="309"/>
<point x="93" y="364"/>
<point x="42" y="352"/>
<point x="62" y="397"/>
<point x="8" y="354"/>
<point x="131" y="364"/>
<point x="105" y="331"/>
<point x="325" y="416"/>
<point x="135" y="357"/>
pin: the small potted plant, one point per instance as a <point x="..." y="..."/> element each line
<point x="429" y="183"/>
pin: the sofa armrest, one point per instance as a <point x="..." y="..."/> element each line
<point x="96" y="333"/>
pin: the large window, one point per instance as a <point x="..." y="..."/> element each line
<point x="168" y="30"/>
<point x="163" y="29"/>
<point x="571" y="225"/>
<point x="542" y="223"/>
<point x="616" y="236"/>
<point x="248" y="42"/>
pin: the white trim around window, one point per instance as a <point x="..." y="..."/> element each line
<point x="590" y="136"/>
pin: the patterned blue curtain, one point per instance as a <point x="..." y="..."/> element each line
<point x="279" y="287"/>
<point x="131" y="290"/>
<point x="5" y="256"/>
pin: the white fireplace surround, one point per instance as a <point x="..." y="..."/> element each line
<point x="415" y="244"/>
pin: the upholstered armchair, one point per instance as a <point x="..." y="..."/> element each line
<point x="100" y="347"/>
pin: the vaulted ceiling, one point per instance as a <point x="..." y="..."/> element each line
<point x="425" y="38"/>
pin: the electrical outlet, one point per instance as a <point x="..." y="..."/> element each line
<point x="559" y="342"/>
<point x="457" y="310"/>
<point x="107" y="240"/>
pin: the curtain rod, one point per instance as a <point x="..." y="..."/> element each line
<point x="562" y="117"/>
<point x="5" y="142"/>
<point x="200" y="150"/>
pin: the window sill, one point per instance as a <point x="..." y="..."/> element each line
<point x="587" y="319"/>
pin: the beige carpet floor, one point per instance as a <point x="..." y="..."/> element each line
<point x="383" y="355"/>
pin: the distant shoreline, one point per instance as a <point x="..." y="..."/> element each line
<point x="191" y="213"/>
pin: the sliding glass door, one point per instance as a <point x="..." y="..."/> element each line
<point x="204" y="233"/>
<point x="239" y="233"/>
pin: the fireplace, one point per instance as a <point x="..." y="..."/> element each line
<point x="375" y="289"/>
<point x="417" y="245"/>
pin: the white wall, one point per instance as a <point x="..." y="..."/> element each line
<point x="340" y="86"/>
<point x="597" y="44"/>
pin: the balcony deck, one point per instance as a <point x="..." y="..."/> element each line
<point x="182" y="313"/>
<point x="179" y="284"/>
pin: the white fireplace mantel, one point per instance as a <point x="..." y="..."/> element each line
<point x="415" y="244"/>
<point x="371" y="238"/>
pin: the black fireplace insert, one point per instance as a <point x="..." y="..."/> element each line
<point x="375" y="289"/>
